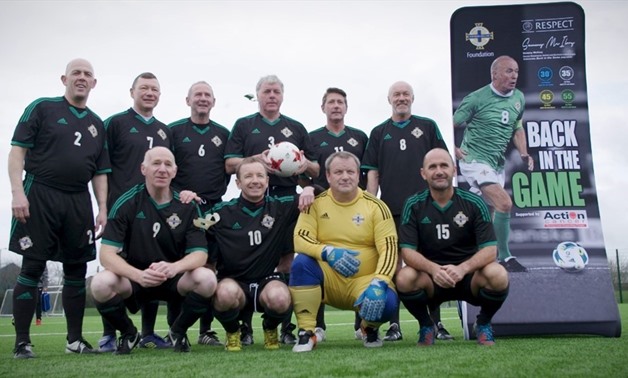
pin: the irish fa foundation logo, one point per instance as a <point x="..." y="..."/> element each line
<point x="479" y="36"/>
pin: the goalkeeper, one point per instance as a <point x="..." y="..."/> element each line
<point x="347" y="254"/>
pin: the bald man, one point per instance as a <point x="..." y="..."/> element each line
<point x="492" y="116"/>
<point x="393" y="160"/>
<point x="163" y="255"/>
<point x="60" y="144"/>
<point x="451" y="257"/>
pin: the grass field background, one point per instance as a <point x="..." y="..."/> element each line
<point x="340" y="356"/>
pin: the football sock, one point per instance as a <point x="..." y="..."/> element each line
<point x="107" y="328"/>
<point x="434" y="312"/>
<point x="272" y="318"/>
<point x="73" y="296"/>
<point x="229" y="320"/>
<point x="416" y="304"/>
<point x="149" y="317"/>
<point x="320" y="317"/>
<point x="24" y="302"/>
<point x="306" y="301"/>
<point x="490" y="301"/>
<point x="193" y="307"/>
<point x="395" y="315"/>
<point x="357" y="321"/>
<point x="205" y="323"/>
<point x="501" y="224"/>
<point x="114" y="312"/>
<point x="174" y="309"/>
<point x="246" y="316"/>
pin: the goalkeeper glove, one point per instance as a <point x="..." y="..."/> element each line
<point x="342" y="260"/>
<point x="372" y="301"/>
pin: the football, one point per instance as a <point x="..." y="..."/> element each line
<point x="570" y="256"/>
<point x="285" y="158"/>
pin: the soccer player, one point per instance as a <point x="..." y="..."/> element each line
<point x="129" y="135"/>
<point x="333" y="137"/>
<point x="347" y="246"/>
<point x="250" y="236"/>
<point x="447" y="241"/>
<point x="492" y="116"/>
<point x="162" y="255"/>
<point x="252" y="136"/>
<point x="199" y="150"/>
<point x="393" y="159"/>
<point x="60" y="144"/>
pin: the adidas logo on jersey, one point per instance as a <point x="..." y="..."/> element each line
<point x="325" y="216"/>
<point x="133" y="130"/>
<point x="236" y="226"/>
<point x="324" y="144"/>
<point x="140" y="215"/>
<point x="426" y="220"/>
<point x="187" y="140"/>
<point x="255" y="131"/>
<point x="387" y="137"/>
<point x="62" y="121"/>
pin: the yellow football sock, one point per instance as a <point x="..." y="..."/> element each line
<point x="306" y="300"/>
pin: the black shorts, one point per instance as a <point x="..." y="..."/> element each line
<point x="60" y="226"/>
<point x="461" y="292"/>
<point x="167" y="291"/>
<point x="253" y="289"/>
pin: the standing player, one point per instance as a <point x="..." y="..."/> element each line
<point x="60" y="144"/>
<point x="253" y="136"/>
<point x="347" y="247"/>
<point x="393" y="159"/>
<point x="162" y="256"/>
<point x="492" y="116"/>
<point x="333" y="137"/>
<point x="448" y="244"/>
<point x="199" y="150"/>
<point x="250" y="237"/>
<point x="129" y="135"/>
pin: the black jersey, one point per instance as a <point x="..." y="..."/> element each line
<point x="250" y="236"/>
<point x="129" y="136"/>
<point x="148" y="232"/>
<point x="65" y="144"/>
<point x="326" y="143"/>
<point x="253" y="134"/>
<point x="396" y="150"/>
<point x="446" y="235"/>
<point x="199" y="151"/>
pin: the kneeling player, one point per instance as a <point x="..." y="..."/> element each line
<point x="163" y="256"/>
<point x="347" y="246"/>
<point x="449" y="247"/>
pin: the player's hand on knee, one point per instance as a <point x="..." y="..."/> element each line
<point x="343" y="261"/>
<point x="372" y="301"/>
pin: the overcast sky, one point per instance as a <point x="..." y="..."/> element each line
<point x="360" y="46"/>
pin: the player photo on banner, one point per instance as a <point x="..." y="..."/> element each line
<point x="522" y="142"/>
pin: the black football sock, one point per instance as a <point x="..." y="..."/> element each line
<point x="149" y="317"/>
<point x="193" y="307"/>
<point x="114" y="312"/>
<point x="490" y="302"/>
<point x="416" y="304"/>
<point x="73" y="295"/>
<point x="24" y="303"/>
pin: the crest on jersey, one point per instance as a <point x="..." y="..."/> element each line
<point x="162" y="134"/>
<point x="358" y="219"/>
<point x="352" y="142"/>
<point x="268" y="221"/>
<point x="173" y="221"/>
<point x="518" y="105"/>
<point x="460" y="219"/>
<point x="216" y="141"/>
<point x="92" y="130"/>
<point x="417" y="132"/>
<point x="286" y="132"/>
<point x="26" y="242"/>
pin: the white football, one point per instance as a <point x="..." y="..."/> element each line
<point x="570" y="256"/>
<point x="285" y="158"/>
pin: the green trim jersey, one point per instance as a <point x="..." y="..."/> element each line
<point x="396" y="150"/>
<point x="66" y="146"/>
<point x="364" y="225"/>
<point x="251" y="236"/>
<point x="199" y="151"/>
<point x="491" y="120"/>
<point x="253" y="134"/>
<point x="446" y="235"/>
<point x="327" y="142"/>
<point x="147" y="232"/>
<point x="129" y="136"/>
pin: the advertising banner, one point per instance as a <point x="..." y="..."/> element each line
<point x="560" y="282"/>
